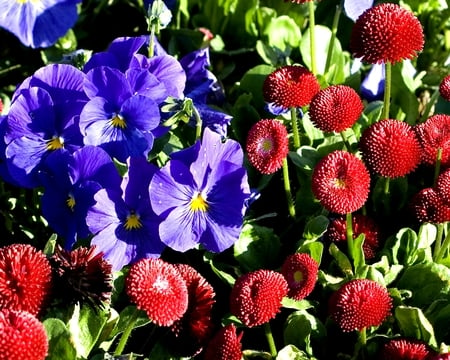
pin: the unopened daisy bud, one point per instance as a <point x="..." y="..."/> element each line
<point x="335" y="108"/>
<point x="340" y="181"/>
<point x="290" y="86"/>
<point x="360" y="303"/>
<point x="225" y="345"/>
<point x="390" y="148"/>
<point x="300" y="271"/>
<point x="386" y="33"/>
<point x="444" y="88"/>
<point x="267" y="145"/>
<point x="256" y="296"/>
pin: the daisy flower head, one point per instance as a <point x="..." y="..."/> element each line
<point x="443" y="186"/>
<point x="444" y="88"/>
<point x="360" y="303"/>
<point x="22" y="336"/>
<point x="434" y="134"/>
<point x="340" y="181"/>
<point x="157" y="288"/>
<point x="335" y="108"/>
<point x="386" y="33"/>
<point x="225" y="345"/>
<point x="290" y="86"/>
<point x="256" y="296"/>
<point x="267" y="145"/>
<point x="361" y="224"/>
<point x="390" y="148"/>
<point x="405" y="349"/>
<point x="443" y="356"/>
<point x="428" y="206"/>
<point x="300" y="271"/>
<point x="82" y="276"/>
<point x="25" y="278"/>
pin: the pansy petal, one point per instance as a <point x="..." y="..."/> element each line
<point x="169" y="71"/>
<point x="108" y="83"/>
<point x="144" y="83"/>
<point x="140" y="112"/>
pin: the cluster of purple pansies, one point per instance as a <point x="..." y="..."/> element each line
<point x="68" y="129"/>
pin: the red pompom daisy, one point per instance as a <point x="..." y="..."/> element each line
<point x="361" y="224"/>
<point x="267" y="145"/>
<point x="433" y="134"/>
<point x="386" y="33"/>
<point x="300" y="271"/>
<point x="405" y="349"/>
<point x="428" y="206"/>
<point x="444" y="88"/>
<point x="22" y="336"/>
<point x="25" y="278"/>
<point x="390" y="148"/>
<point x="335" y="108"/>
<point x="290" y="86"/>
<point x="360" y="303"/>
<point x="256" y="296"/>
<point x="194" y="329"/>
<point x="225" y="345"/>
<point x="157" y="287"/>
<point x="340" y="181"/>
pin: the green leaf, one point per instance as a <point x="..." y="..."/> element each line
<point x="60" y="340"/>
<point x="126" y="315"/>
<point x="402" y="248"/>
<point x="257" y="247"/>
<point x="283" y="33"/>
<point x="315" y="228"/>
<point x="314" y="249"/>
<point x="290" y="352"/>
<point x="253" y="80"/>
<point x="289" y="303"/>
<point x="342" y="260"/>
<point x="413" y="323"/>
<point x="223" y="275"/>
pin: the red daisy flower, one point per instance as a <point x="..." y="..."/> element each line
<point x="444" y="88"/>
<point x="157" y="287"/>
<point x="267" y="145"/>
<point x="386" y="33"/>
<point x="256" y="296"/>
<point x="361" y="224"/>
<point x="433" y="134"/>
<point x="445" y="356"/>
<point x="335" y="108"/>
<point x="194" y="328"/>
<point x="300" y="271"/>
<point x="82" y="275"/>
<point x="22" y="336"/>
<point x="225" y="345"/>
<point x="340" y="181"/>
<point x="290" y="86"/>
<point x="390" y="148"/>
<point x="360" y="303"/>
<point x="25" y="278"/>
<point x="405" y="349"/>
<point x="428" y="206"/>
<point x="443" y="186"/>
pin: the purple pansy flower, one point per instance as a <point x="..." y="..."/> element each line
<point x="70" y="182"/>
<point x="200" y="195"/>
<point x="124" y="226"/>
<point x="372" y="87"/>
<point x="38" y="23"/>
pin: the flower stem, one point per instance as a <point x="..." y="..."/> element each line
<point x="287" y="189"/>
<point x="126" y="333"/>
<point x="295" y="133"/>
<point x="438" y="241"/>
<point x="360" y="345"/>
<point x="198" y="123"/>
<point x="151" y="45"/>
<point x="430" y="105"/>
<point x="334" y="27"/>
<point x="444" y="248"/>
<point x="270" y="340"/>
<point x="312" y="41"/>
<point x="437" y="168"/>
<point x="349" y="233"/>
<point x="387" y="90"/>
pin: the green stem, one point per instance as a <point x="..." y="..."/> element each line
<point x="438" y="241"/>
<point x="295" y="132"/>
<point x="198" y="123"/>
<point x="345" y="140"/>
<point x="387" y="182"/>
<point x="270" y="340"/>
<point x="360" y="345"/>
<point x="349" y="233"/>
<point x="387" y="90"/>
<point x="151" y="45"/>
<point x="312" y="24"/>
<point x="444" y="248"/>
<point x="437" y="168"/>
<point x="287" y="189"/>
<point x="126" y="334"/>
<point x="429" y="106"/>
<point x="334" y="27"/>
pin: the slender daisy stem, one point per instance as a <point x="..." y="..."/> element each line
<point x="270" y="340"/>
<point x="287" y="188"/>
<point x="295" y="132"/>
<point x="312" y="24"/>
<point x="387" y="90"/>
<point x="360" y="346"/>
<point x="334" y="27"/>
<point x="126" y="334"/>
<point x="349" y="233"/>
<point x="444" y="248"/>
<point x="438" y="241"/>
<point x="437" y="168"/>
<point x="345" y="140"/>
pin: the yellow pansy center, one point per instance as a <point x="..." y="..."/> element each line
<point x="133" y="222"/>
<point x="70" y="202"/>
<point x="198" y="203"/>
<point x="55" y="143"/>
<point x="118" y="121"/>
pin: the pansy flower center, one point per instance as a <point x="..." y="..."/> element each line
<point x="198" y="203"/>
<point x="133" y="222"/>
<point x="70" y="202"/>
<point x="118" y="122"/>
<point x="55" y="143"/>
